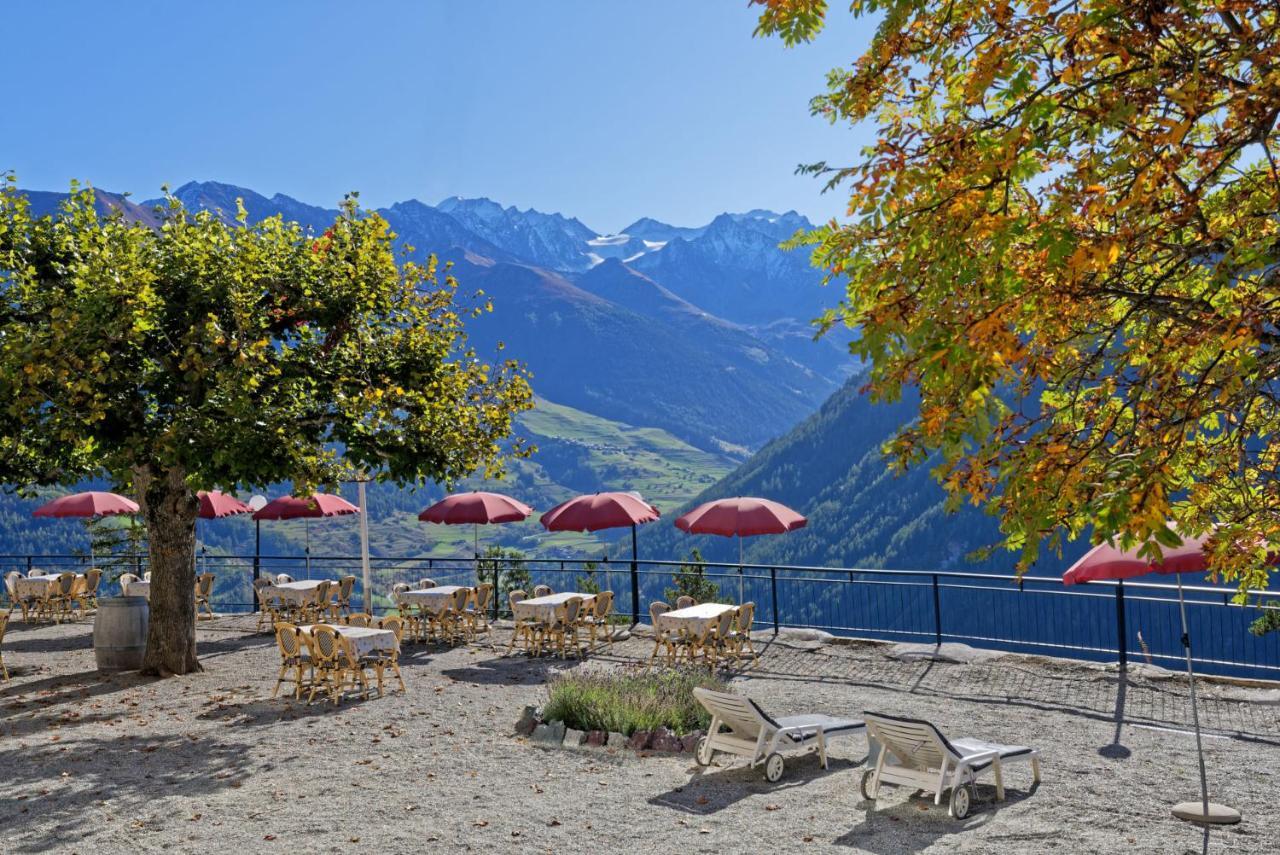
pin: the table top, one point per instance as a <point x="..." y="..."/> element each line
<point x="302" y="585"/>
<point x="46" y="577"/>
<point x="701" y="611"/>
<point x="555" y="599"/>
<point x="437" y="591"/>
<point x="349" y="631"/>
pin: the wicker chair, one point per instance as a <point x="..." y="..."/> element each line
<point x="282" y="578"/>
<point x="11" y="588"/>
<point x="596" y="621"/>
<point x="89" y="591"/>
<point x="740" y="636"/>
<point x="390" y="658"/>
<point x="426" y="584"/>
<point x="292" y="657"/>
<point x="542" y="591"/>
<point x="57" y="597"/>
<point x="316" y="609"/>
<point x="661" y="638"/>
<point x="125" y="580"/>
<point x="685" y="602"/>
<point x="267" y="613"/>
<point x="204" y="592"/>
<point x="520" y="628"/>
<point x="562" y="631"/>
<point x="325" y="646"/>
<point x="340" y="604"/>
<point x="358" y="619"/>
<point x="146" y="577"/>
<point x="477" y="613"/>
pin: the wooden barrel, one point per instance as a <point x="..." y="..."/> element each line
<point x="120" y="633"/>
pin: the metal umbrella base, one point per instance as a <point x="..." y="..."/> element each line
<point x="1216" y="815"/>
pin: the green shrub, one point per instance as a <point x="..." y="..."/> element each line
<point x="630" y="701"/>
<point x="690" y="580"/>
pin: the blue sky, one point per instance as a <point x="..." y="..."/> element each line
<point x="603" y="110"/>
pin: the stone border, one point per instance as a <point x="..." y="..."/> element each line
<point x="555" y="734"/>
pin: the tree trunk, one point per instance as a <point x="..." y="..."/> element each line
<point x="170" y="508"/>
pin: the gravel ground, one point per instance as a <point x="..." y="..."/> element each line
<point x="120" y="764"/>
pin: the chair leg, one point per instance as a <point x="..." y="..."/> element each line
<point x="279" y="680"/>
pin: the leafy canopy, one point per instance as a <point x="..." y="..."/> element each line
<point x="236" y="355"/>
<point x="1065" y="236"/>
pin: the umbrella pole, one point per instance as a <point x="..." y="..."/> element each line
<point x="306" y="527"/>
<point x="739" y="569"/>
<point x="1181" y="811"/>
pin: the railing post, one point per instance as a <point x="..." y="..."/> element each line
<point x="635" y="591"/>
<point x="773" y="587"/>
<point x="937" y="612"/>
<point x="496" y="590"/>
<point x="29" y="566"/>
<point x="1122" y="631"/>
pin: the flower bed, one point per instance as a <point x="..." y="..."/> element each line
<point x="631" y="701"/>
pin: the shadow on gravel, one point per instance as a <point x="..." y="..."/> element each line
<point x="711" y="790"/>
<point x="264" y="712"/>
<point x="916" y="823"/>
<point x="506" y="670"/>
<point x="63" y="782"/>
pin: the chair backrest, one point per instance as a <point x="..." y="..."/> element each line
<point x="65" y="585"/>
<point x="739" y="714"/>
<point x="685" y="602"/>
<point x="542" y="590"/>
<point x="146" y="577"/>
<point x="126" y="579"/>
<point x="204" y="585"/>
<point x="398" y="588"/>
<point x="603" y="605"/>
<point x="484" y="592"/>
<point x="344" y="588"/>
<point x="287" y="639"/>
<point x="11" y="584"/>
<point x="4" y="624"/>
<point x="460" y="598"/>
<point x="359" y="619"/>
<point x="724" y="624"/>
<point x="393" y="623"/>
<point x="571" y="607"/>
<point x="912" y="742"/>
<point x="514" y="597"/>
<point x="325" y="644"/>
<point x="35" y="571"/>
<point x="746" y="617"/>
<point x="424" y="584"/>
<point x="322" y="590"/>
<point x="281" y="578"/>
<point x="656" y="609"/>
<point x="92" y="578"/>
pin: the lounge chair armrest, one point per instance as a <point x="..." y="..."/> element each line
<point x="980" y="757"/>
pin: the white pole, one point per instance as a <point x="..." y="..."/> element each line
<point x="1195" y="715"/>
<point x="364" y="546"/>
<point x="306" y="527"/>
<point x="740" y="595"/>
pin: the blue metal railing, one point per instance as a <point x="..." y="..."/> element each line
<point x="1100" y="621"/>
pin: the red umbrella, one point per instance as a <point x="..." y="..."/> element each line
<point x="90" y="504"/>
<point x="477" y="508"/>
<point x="215" y="505"/>
<point x="306" y="508"/>
<point x="93" y="503"/>
<point x="742" y="516"/>
<point x="606" y="510"/>
<point x="1107" y="561"/>
<point x="598" y="511"/>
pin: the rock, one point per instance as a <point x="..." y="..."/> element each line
<point x="689" y="742"/>
<point x="956" y="654"/>
<point x="616" y="740"/>
<point x="664" y="739"/>
<point x="793" y="634"/>
<point x="639" y="740"/>
<point x="573" y="738"/>
<point x="549" y="734"/>
<point x="621" y="634"/>
<point x="596" y="738"/>
<point x="528" y="721"/>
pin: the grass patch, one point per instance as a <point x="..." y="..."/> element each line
<point x="627" y="702"/>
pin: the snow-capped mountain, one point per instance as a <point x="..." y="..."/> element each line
<point x="548" y="240"/>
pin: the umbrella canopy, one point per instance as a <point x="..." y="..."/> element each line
<point x="215" y="505"/>
<point x="477" y="508"/>
<point x="305" y="507"/>
<point x="1111" y="562"/>
<point x="742" y="516"/>
<point x="90" y="504"/>
<point x="598" y="511"/>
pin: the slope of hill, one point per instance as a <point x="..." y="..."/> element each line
<point x="829" y="467"/>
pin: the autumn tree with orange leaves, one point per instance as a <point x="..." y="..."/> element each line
<point x="1065" y="237"/>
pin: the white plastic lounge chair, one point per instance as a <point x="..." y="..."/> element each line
<point x="915" y="753"/>
<point x="754" y="734"/>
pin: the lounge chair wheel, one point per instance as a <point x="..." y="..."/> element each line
<point x="866" y="784"/>
<point x="773" y="768"/>
<point x="961" y="798"/>
<point x="704" y="753"/>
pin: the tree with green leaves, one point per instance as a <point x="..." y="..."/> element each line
<point x="509" y="565"/>
<point x="1065" y="236"/>
<point x="208" y="355"/>
<point x="690" y="580"/>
